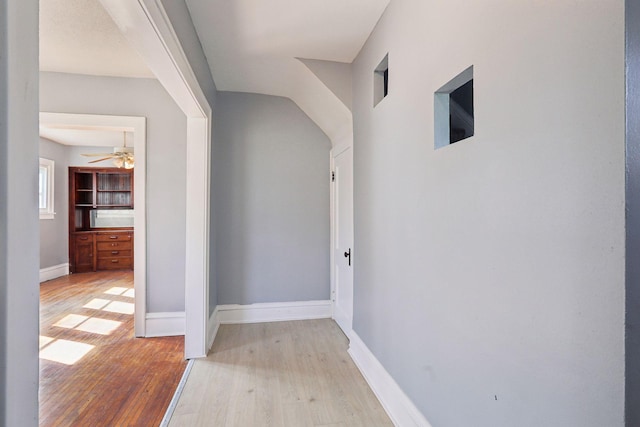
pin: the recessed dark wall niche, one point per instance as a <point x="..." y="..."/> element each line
<point x="453" y="110"/>
<point x="381" y="81"/>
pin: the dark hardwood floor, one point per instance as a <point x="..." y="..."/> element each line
<point x="93" y="372"/>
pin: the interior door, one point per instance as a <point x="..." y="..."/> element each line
<point x="343" y="238"/>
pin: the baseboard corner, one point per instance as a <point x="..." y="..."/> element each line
<point x="395" y="402"/>
<point x="165" y="324"/>
<point x="214" y="325"/>
<point x="53" y="272"/>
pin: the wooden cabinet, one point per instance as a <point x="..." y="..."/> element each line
<point x="83" y="259"/>
<point x="115" y="250"/>
<point x="93" y="245"/>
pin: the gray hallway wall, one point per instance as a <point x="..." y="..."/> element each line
<point x="489" y="274"/>
<point x="271" y="192"/>
<point x="166" y="166"/>
<point x="54" y="233"/>
<point x="19" y="213"/>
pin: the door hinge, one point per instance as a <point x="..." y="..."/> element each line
<point x="333" y="176"/>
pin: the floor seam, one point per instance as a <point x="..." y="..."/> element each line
<point x="176" y="396"/>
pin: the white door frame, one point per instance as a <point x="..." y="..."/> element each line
<point x="336" y="151"/>
<point x="146" y="26"/>
<point x="137" y="125"/>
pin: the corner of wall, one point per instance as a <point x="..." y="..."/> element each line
<point x="50" y="273"/>
<point x="212" y="327"/>
<point x="165" y="324"/>
<point x="395" y="402"/>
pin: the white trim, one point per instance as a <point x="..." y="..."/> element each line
<point x="395" y="402"/>
<point x="335" y="151"/>
<point x="265" y="312"/>
<point x="176" y="396"/>
<point x="332" y="226"/>
<point x="180" y="81"/>
<point x="197" y="238"/>
<point x="214" y="325"/>
<point x="137" y="125"/>
<point x="165" y="324"/>
<point x="148" y="29"/>
<point x="340" y="148"/>
<point x="186" y="91"/>
<point x="53" y="272"/>
<point x="50" y="166"/>
<point x="273" y="312"/>
<point x="442" y="110"/>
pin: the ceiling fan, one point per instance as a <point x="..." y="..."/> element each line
<point x="122" y="156"/>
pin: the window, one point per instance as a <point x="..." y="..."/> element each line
<point x="45" y="188"/>
<point x="453" y="110"/>
<point x="381" y="81"/>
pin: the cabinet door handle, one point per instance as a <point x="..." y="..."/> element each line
<point x="84" y="238"/>
<point x="114" y="261"/>
<point x="114" y="244"/>
<point x="113" y="237"/>
<point x="115" y="252"/>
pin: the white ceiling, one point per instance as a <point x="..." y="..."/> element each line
<point x="86" y="136"/>
<point x="240" y="37"/>
<point x="78" y="36"/>
<point x="250" y="45"/>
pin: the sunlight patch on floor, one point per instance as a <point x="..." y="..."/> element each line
<point x="66" y="352"/>
<point x="45" y="340"/>
<point x="69" y="352"/>
<point x="120" y="307"/>
<point x="97" y="303"/>
<point x="70" y="321"/>
<point x="99" y="326"/>
<point x="116" y="290"/>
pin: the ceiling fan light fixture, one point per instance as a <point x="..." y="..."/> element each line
<point x="128" y="162"/>
<point x="122" y="157"/>
<point x="118" y="162"/>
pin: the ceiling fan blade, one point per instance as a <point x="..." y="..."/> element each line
<point x="100" y="160"/>
<point x="97" y="154"/>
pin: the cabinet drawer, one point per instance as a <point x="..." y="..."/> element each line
<point x="84" y="238"/>
<point x="114" y="245"/>
<point x="114" y="237"/>
<point x="115" y="253"/>
<point x="114" y="264"/>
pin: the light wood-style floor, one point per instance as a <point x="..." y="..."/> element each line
<point x="292" y="374"/>
<point x="93" y="372"/>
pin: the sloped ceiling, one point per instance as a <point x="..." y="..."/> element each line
<point x="253" y="46"/>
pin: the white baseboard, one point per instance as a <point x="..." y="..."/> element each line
<point x="165" y="324"/>
<point x="398" y="406"/>
<point x="50" y="273"/>
<point x="273" y="312"/>
<point x="214" y="325"/>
